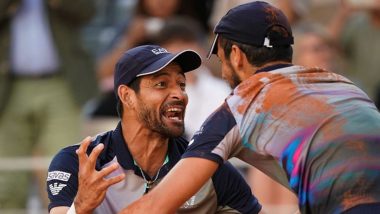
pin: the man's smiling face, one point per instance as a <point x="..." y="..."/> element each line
<point x="161" y="101"/>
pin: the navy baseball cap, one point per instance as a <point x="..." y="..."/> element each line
<point x="249" y="24"/>
<point x="149" y="59"/>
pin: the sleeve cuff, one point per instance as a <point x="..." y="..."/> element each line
<point x="209" y="156"/>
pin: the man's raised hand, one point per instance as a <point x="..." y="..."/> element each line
<point x="92" y="184"/>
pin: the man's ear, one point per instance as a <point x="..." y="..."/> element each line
<point x="125" y="95"/>
<point x="236" y="57"/>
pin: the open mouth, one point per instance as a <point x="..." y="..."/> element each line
<point x="174" y="113"/>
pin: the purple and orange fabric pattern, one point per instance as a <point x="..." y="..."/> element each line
<point x="312" y="130"/>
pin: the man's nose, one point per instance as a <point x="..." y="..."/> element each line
<point x="179" y="93"/>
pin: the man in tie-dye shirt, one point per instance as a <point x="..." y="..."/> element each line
<point x="311" y="130"/>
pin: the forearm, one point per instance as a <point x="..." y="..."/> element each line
<point x="182" y="182"/>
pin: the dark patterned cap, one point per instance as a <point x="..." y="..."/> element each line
<point x="149" y="59"/>
<point x="250" y="23"/>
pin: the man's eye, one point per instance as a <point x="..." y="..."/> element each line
<point x="161" y="84"/>
<point x="182" y="85"/>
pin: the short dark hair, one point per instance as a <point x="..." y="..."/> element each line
<point x="259" y="55"/>
<point x="135" y="86"/>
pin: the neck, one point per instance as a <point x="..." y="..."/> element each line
<point x="248" y="70"/>
<point x="148" y="148"/>
<point x="270" y="64"/>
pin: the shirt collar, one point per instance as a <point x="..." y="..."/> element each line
<point x="274" y="67"/>
<point x="125" y="158"/>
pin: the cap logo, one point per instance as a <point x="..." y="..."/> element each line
<point x="159" y="51"/>
<point x="267" y="43"/>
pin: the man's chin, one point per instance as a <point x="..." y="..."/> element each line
<point x="177" y="131"/>
<point x="174" y="128"/>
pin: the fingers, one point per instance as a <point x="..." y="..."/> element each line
<point x="109" y="169"/>
<point x="81" y="151"/>
<point x="95" y="154"/>
<point x="89" y="162"/>
<point x="113" y="180"/>
<point x="92" y="184"/>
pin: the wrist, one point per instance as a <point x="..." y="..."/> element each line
<point x="80" y="209"/>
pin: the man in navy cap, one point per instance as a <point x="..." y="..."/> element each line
<point x="110" y="171"/>
<point x="311" y="130"/>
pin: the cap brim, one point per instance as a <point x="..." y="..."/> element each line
<point x="214" y="47"/>
<point x="188" y="60"/>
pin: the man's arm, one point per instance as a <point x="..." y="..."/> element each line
<point x="59" y="210"/>
<point x="182" y="182"/>
<point x="92" y="184"/>
<point x="233" y="192"/>
<point x="198" y="164"/>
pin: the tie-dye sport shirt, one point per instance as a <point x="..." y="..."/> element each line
<point x="313" y="131"/>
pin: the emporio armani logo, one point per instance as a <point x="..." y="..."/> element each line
<point x="56" y="188"/>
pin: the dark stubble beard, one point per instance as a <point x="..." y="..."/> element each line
<point x="235" y="80"/>
<point x="147" y="116"/>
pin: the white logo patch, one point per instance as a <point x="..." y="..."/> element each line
<point x="189" y="203"/>
<point x="159" y="51"/>
<point x="58" y="175"/>
<point x="200" y="131"/>
<point x="56" y="188"/>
